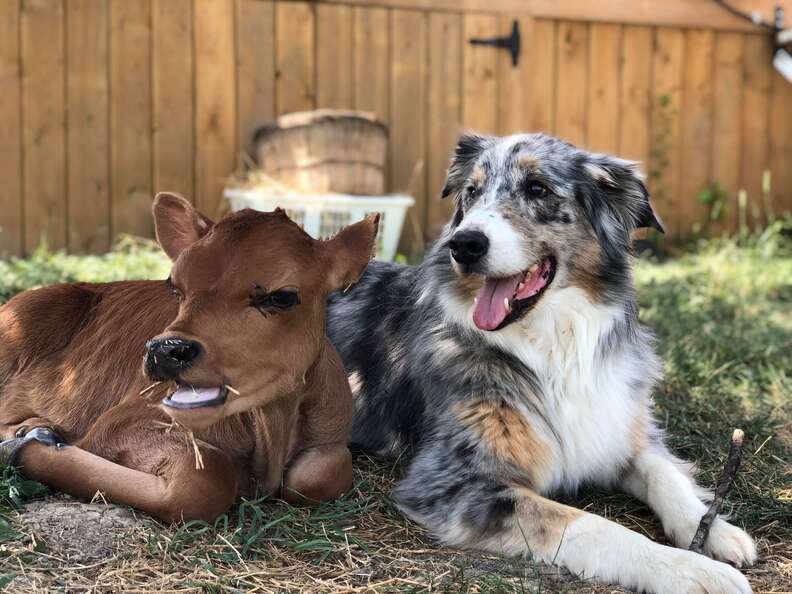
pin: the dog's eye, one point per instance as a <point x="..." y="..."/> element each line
<point x="535" y="189"/>
<point x="471" y="191"/>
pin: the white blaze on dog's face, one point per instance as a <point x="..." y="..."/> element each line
<point x="535" y="213"/>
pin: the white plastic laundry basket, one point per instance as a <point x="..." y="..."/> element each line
<point x="323" y="215"/>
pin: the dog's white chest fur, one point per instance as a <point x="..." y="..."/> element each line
<point x="586" y="398"/>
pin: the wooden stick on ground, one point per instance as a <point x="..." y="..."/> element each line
<point x="725" y="482"/>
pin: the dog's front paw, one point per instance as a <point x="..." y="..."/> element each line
<point x="727" y="542"/>
<point x="697" y="574"/>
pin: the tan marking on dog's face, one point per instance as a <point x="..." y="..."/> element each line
<point x="548" y="519"/>
<point x="508" y="436"/>
<point x="479" y="176"/>
<point x="583" y="266"/>
<point x="528" y="161"/>
<point x="639" y="438"/>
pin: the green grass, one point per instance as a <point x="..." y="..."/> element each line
<point x="723" y="317"/>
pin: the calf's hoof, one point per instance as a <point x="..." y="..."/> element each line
<point x="10" y="448"/>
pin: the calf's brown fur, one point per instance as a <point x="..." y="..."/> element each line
<point x="70" y="359"/>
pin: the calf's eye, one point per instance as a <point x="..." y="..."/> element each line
<point x="284" y="298"/>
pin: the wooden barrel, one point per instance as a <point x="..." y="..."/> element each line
<point x="326" y="150"/>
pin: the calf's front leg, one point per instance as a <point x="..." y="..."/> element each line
<point x="318" y="474"/>
<point x="180" y="492"/>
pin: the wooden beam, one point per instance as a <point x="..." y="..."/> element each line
<point x="672" y="13"/>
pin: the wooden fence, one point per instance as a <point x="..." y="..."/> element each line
<point x="103" y="102"/>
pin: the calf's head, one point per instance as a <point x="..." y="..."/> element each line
<point x="251" y="291"/>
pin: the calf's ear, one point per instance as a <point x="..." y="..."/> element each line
<point x="177" y="223"/>
<point x="348" y="253"/>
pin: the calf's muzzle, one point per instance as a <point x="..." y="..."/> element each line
<point x="167" y="358"/>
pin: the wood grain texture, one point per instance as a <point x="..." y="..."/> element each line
<point x="295" y="66"/>
<point x="726" y="131"/>
<point x="408" y="122"/>
<point x="604" y="80"/>
<point x="334" y="71"/>
<point x="542" y="56"/>
<point x="635" y="97"/>
<point x="255" y="69"/>
<point x="696" y="172"/>
<point x="755" y="121"/>
<point x="43" y="92"/>
<point x="88" y="134"/>
<point x="173" y="98"/>
<point x="670" y="13"/>
<point x="445" y="110"/>
<point x="572" y="60"/>
<point x="515" y="83"/>
<point x="215" y="102"/>
<point x="479" y="82"/>
<point x="11" y="196"/>
<point x="781" y="144"/>
<point x="371" y="41"/>
<point x="667" y="84"/>
<point x="130" y="117"/>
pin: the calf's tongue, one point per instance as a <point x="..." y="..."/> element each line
<point x="194" y="396"/>
<point x="490" y="310"/>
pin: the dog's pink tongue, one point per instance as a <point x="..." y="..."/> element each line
<point x="491" y="307"/>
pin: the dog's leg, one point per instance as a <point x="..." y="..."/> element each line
<point x="466" y="508"/>
<point x="666" y="485"/>
<point x="176" y="491"/>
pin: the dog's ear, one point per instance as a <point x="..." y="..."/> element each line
<point x="468" y="149"/>
<point x="177" y="224"/>
<point x="614" y="197"/>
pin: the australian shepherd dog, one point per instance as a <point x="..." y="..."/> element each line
<point x="510" y="366"/>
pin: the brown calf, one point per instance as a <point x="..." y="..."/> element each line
<point x="236" y="336"/>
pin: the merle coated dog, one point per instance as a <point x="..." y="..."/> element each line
<point x="510" y="366"/>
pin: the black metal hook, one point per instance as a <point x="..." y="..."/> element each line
<point x="510" y="43"/>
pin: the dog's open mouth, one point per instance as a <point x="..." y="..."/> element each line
<point x="187" y="396"/>
<point x="501" y="301"/>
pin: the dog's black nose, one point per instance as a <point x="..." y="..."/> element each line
<point x="468" y="247"/>
<point x="167" y="358"/>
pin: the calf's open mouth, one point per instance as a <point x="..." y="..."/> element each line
<point x="187" y="396"/>
<point x="501" y="301"/>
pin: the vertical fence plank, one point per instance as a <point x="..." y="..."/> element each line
<point x="370" y="56"/>
<point x="295" y="68"/>
<point x="664" y="171"/>
<point x="445" y="109"/>
<point x="635" y="103"/>
<point x="215" y="102"/>
<point x="479" y="83"/>
<point x="781" y="144"/>
<point x="44" y="120"/>
<point x="255" y="68"/>
<point x="408" y="118"/>
<point x="542" y="56"/>
<point x="11" y="221"/>
<point x="696" y="126"/>
<point x="516" y="84"/>
<point x="726" y="132"/>
<point x="334" y="56"/>
<point x="173" y="108"/>
<point x="602" y="133"/>
<point x="88" y="136"/>
<point x="572" y="66"/>
<point x="755" y="120"/>
<point x="130" y="117"/>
